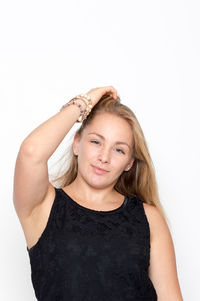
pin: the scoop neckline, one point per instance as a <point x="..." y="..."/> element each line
<point x="118" y="209"/>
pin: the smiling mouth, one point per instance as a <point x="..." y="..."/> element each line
<point x="99" y="169"/>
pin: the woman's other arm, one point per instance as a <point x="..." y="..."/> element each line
<point x="162" y="269"/>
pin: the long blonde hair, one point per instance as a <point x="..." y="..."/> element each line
<point x="140" y="180"/>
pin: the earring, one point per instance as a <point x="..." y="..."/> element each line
<point x="74" y="152"/>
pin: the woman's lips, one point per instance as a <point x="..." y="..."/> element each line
<point x="99" y="171"/>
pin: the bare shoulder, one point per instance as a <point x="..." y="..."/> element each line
<point x="156" y="220"/>
<point x="152" y="211"/>
<point x="162" y="269"/>
<point x="34" y="225"/>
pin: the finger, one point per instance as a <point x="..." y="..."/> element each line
<point x="112" y="90"/>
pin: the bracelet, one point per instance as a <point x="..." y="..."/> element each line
<point x="87" y="99"/>
<point x="84" y="111"/>
<point x="82" y="99"/>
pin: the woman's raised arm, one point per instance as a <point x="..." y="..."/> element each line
<point x="31" y="178"/>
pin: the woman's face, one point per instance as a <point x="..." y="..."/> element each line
<point x="107" y="144"/>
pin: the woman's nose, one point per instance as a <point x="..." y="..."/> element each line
<point x="104" y="155"/>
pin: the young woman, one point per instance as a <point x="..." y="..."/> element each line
<point x="102" y="235"/>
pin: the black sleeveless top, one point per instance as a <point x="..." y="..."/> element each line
<point x="89" y="255"/>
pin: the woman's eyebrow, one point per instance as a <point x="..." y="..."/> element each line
<point x="117" y="142"/>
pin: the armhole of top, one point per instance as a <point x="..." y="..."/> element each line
<point x="51" y="214"/>
<point x="146" y="221"/>
<point x="147" y="227"/>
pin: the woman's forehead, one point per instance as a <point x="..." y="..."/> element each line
<point x="110" y="126"/>
<point x="107" y="119"/>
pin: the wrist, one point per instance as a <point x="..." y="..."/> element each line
<point x="83" y="101"/>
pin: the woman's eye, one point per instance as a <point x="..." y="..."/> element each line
<point x="120" y="150"/>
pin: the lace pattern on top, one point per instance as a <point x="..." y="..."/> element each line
<point x="87" y="255"/>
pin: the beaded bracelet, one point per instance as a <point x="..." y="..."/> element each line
<point x="84" y="111"/>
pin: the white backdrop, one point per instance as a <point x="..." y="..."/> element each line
<point x="150" y="52"/>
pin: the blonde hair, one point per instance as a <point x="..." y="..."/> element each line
<point x="140" y="179"/>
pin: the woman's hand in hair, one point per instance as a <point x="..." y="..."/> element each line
<point x="97" y="93"/>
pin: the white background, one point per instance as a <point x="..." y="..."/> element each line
<point x="150" y="52"/>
